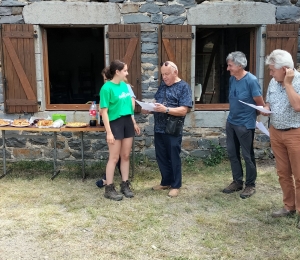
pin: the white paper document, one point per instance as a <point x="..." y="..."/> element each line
<point x="146" y="105"/>
<point x="260" y="108"/>
<point x="262" y="128"/>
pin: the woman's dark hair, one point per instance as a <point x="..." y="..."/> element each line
<point x="103" y="72"/>
<point x="110" y="71"/>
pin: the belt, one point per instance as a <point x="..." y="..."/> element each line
<point x="286" y="129"/>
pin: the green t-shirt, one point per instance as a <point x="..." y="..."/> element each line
<point x="116" y="98"/>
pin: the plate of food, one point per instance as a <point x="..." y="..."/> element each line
<point x="4" y="122"/>
<point x="76" y="124"/>
<point x="20" y="123"/>
<point x="44" y="123"/>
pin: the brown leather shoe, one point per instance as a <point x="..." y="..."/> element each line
<point x="160" y="187"/>
<point x="173" y="193"/>
<point x="233" y="187"/>
<point x="247" y="192"/>
<point x="283" y="213"/>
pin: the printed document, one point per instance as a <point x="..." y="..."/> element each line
<point x="260" y="108"/>
<point x="262" y="128"/>
<point x="146" y="105"/>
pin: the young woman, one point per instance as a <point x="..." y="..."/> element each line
<point x="116" y="109"/>
<point x="102" y="182"/>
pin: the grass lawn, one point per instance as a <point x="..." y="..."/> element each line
<point x="70" y="219"/>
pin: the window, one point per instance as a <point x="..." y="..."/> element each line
<point x="211" y="76"/>
<point x="75" y="61"/>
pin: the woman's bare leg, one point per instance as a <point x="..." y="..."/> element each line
<point x="114" y="154"/>
<point x="125" y="157"/>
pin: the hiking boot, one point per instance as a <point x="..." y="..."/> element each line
<point x="173" y="193"/>
<point x="110" y="193"/>
<point x="125" y="189"/>
<point x="233" y="187"/>
<point x="247" y="192"/>
<point x="160" y="187"/>
<point x="283" y="213"/>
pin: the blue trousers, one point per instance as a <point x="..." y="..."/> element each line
<point x="241" y="137"/>
<point x="167" y="150"/>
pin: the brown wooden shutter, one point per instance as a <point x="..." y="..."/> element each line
<point x="19" y="71"/>
<point x="175" y="44"/>
<point x="252" y="54"/>
<point x="125" y="45"/>
<point x="280" y="36"/>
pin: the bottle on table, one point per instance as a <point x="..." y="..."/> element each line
<point x="93" y="114"/>
<point x="101" y="121"/>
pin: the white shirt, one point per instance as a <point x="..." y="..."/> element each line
<point x="283" y="116"/>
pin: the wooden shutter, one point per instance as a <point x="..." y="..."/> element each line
<point x="175" y="44"/>
<point x="125" y="45"/>
<point x="252" y="54"/>
<point x="19" y="71"/>
<point x="280" y="36"/>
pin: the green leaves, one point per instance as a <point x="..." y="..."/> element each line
<point x="216" y="157"/>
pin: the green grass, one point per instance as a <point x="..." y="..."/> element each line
<point x="68" y="218"/>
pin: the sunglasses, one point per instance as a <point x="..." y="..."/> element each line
<point x="167" y="64"/>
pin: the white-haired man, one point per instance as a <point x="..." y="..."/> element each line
<point x="283" y="99"/>
<point x="173" y="97"/>
<point x="240" y="125"/>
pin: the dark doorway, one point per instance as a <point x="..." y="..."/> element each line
<point x="76" y="59"/>
<point x="212" y="47"/>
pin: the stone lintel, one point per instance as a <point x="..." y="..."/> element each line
<point x="72" y="13"/>
<point x="232" y="13"/>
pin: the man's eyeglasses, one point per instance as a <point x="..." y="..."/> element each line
<point x="168" y="63"/>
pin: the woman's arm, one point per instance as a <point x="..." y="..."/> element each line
<point x="136" y="127"/>
<point x="109" y="135"/>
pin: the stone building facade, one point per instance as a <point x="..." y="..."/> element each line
<point x="205" y="125"/>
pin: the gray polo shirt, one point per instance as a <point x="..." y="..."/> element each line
<point x="283" y="116"/>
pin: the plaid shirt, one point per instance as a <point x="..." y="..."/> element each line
<point x="283" y="116"/>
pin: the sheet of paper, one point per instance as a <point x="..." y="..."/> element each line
<point x="260" y="108"/>
<point x="262" y="128"/>
<point x="146" y="105"/>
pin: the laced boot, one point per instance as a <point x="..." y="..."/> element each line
<point x="110" y="193"/>
<point x="125" y="189"/>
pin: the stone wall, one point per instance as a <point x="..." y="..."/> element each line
<point x="201" y="130"/>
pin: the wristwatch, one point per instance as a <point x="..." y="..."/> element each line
<point x="167" y="111"/>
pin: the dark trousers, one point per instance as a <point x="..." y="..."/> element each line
<point x="167" y="150"/>
<point x="241" y="137"/>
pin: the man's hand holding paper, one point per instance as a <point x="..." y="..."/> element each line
<point x="146" y="105"/>
<point x="260" y="108"/>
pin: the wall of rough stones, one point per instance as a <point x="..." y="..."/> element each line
<point x="199" y="135"/>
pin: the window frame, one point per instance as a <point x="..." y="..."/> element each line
<point x="48" y="105"/>
<point x="252" y="68"/>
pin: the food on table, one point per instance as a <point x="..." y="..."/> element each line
<point x="4" y="122"/>
<point x="20" y="122"/>
<point x="45" y="122"/>
<point x="76" y="124"/>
